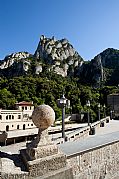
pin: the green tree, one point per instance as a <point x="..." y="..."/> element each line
<point x="7" y="100"/>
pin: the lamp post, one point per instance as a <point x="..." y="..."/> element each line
<point x="99" y="111"/>
<point x="63" y="102"/>
<point x="71" y="110"/>
<point x="104" y="107"/>
<point x="111" y="114"/>
<point x="88" y="106"/>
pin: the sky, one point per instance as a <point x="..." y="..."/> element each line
<point x="91" y="26"/>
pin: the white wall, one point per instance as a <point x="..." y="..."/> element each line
<point x="15" y="119"/>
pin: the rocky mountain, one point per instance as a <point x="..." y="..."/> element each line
<point x="59" y="56"/>
<point x="103" y="69"/>
<point x="15" y="64"/>
<point x="54" y="55"/>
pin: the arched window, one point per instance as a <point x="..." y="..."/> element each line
<point x="7" y="117"/>
<point x="24" y="127"/>
<point x="17" y="126"/>
<point x="12" y="117"/>
<point x="0" y="117"/>
<point x="7" y="128"/>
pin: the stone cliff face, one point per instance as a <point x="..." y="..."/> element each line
<point x="57" y="56"/>
<point x="15" y="64"/>
<point x="102" y="69"/>
<point x="60" y="55"/>
<point x="110" y="58"/>
<point x="10" y="59"/>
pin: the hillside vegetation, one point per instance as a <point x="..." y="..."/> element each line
<point x="49" y="87"/>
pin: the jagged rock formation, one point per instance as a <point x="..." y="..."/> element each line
<point x="53" y="55"/>
<point x="9" y="60"/>
<point x="59" y="55"/>
<point x="15" y="64"/>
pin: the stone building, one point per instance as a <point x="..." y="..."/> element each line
<point x="113" y="102"/>
<point x="20" y="118"/>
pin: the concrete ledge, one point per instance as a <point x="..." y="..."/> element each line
<point x="65" y="173"/>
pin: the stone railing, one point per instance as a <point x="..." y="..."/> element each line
<point x="97" y="123"/>
<point x="83" y="132"/>
<point x="78" y="134"/>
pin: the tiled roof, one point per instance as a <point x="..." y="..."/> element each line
<point x="25" y="103"/>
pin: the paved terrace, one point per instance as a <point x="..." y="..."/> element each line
<point x="102" y="132"/>
<point x="24" y="135"/>
<point x="112" y="126"/>
<point x="104" y="135"/>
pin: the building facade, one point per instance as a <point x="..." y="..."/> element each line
<point x="20" y="118"/>
<point x="113" y="102"/>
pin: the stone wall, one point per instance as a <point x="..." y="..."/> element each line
<point x="99" y="163"/>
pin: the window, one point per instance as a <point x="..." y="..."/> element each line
<point x="6" y="117"/>
<point x="25" y="115"/>
<point x="12" y="117"/>
<point x="7" y="128"/>
<point x="24" y="127"/>
<point x="9" y="116"/>
<point x="19" y="116"/>
<point x="17" y="126"/>
<point x="30" y="107"/>
<point x="25" y="107"/>
<point x="0" y="117"/>
<point x="12" y="125"/>
<point x="31" y="124"/>
<point x="22" y="108"/>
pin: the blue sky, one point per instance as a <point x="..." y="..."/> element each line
<point x="91" y="26"/>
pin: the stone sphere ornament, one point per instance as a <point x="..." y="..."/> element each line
<point x="43" y="116"/>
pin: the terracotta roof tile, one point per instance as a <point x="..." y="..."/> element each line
<point x="25" y="103"/>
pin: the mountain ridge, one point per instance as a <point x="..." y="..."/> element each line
<point x="60" y="57"/>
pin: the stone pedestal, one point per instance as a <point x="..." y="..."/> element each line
<point x="41" y="157"/>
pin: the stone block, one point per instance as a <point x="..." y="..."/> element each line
<point x="41" y="166"/>
<point x="40" y="152"/>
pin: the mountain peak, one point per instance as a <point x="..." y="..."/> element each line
<point x="59" y="54"/>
